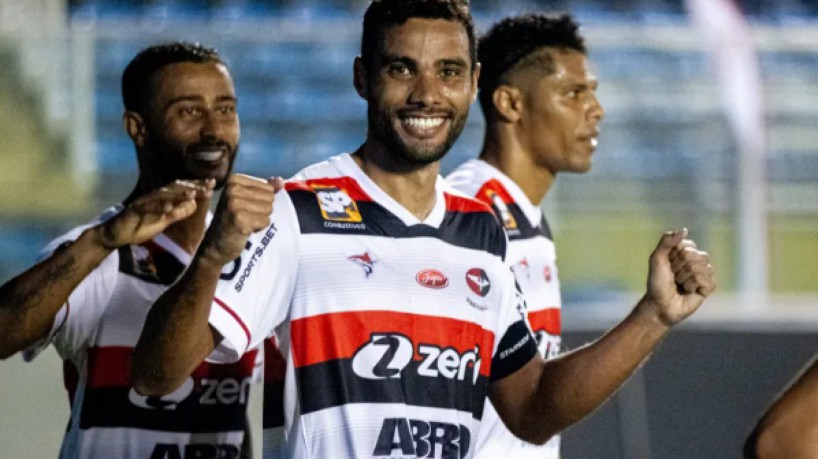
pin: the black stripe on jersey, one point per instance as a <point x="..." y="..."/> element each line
<point x="158" y="267"/>
<point x="334" y="383"/>
<point x="273" y="405"/>
<point x="524" y="229"/>
<point x="110" y="407"/>
<point x="517" y="347"/>
<point x="471" y="230"/>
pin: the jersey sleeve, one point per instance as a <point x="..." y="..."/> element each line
<point x="254" y="292"/>
<point x="516" y="346"/>
<point x="77" y="319"/>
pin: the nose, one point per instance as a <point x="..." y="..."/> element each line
<point x="425" y="91"/>
<point x="595" y="111"/>
<point x="212" y="126"/>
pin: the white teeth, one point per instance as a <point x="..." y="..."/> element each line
<point x="423" y="123"/>
<point x="208" y="155"/>
<point x="594" y="142"/>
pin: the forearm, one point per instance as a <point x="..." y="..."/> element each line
<point x="176" y="336"/>
<point x="573" y="385"/>
<point x="30" y="301"/>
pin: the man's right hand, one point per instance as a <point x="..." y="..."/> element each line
<point x="244" y="208"/>
<point x="150" y="214"/>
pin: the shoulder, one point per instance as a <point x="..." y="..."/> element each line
<point x="469" y="177"/>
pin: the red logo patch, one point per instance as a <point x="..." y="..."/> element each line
<point x="478" y="281"/>
<point x="432" y="278"/>
<point x="547" y="273"/>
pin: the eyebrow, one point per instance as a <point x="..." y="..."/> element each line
<point x="388" y="58"/>
<point x="197" y="99"/>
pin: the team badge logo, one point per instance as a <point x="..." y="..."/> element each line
<point x="547" y="273"/>
<point x="505" y="215"/>
<point x="432" y="278"/>
<point x="478" y="281"/>
<point x="365" y="261"/>
<point x="336" y="205"/>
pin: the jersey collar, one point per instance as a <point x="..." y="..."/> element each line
<point x="347" y="166"/>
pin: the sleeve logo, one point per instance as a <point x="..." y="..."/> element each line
<point x="336" y="205"/>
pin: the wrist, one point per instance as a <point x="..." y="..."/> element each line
<point x="98" y="236"/>
<point x="648" y="311"/>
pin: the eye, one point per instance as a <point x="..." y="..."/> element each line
<point x="227" y="110"/>
<point x="450" y="72"/>
<point x="190" y="111"/>
<point x="398" y="69"/>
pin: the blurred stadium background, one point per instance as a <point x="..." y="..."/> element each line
<point x="671" y="154"/>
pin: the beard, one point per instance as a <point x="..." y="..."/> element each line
<point x="381" y="127"/>
<point x="177" y="162"/>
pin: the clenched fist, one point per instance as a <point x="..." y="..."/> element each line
<point x="244" y="208"/>
<point x="679" y="280"/>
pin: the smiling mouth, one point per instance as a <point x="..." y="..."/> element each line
<point x="423" y="126"/>
<point x="208" y="155"/>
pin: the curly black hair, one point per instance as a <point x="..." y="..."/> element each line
<point x="383" y="14"/>
<point x="136" y="77"/>
<point x="509" y="44"/>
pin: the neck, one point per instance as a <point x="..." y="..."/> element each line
<point x="412" y="186"/>
<point x="509" y="156"/>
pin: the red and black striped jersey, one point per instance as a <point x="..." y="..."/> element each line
<point x="95" y="332"/>
<point x="532" y="254"/>
<point x="391" y="328"/>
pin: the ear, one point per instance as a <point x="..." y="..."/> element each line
<point x="135" y="127"/>
<point x="508" y="103"/>
<point x="360" y="79"/>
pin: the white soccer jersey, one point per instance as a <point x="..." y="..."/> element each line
<point x="95" y="332"/>
<point x="392" y="328"/>
<point x="532" y="254"/>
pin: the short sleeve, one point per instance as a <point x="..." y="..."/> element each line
<point x="516" y="346"/>
<point x="254" y="292"/>
<point x="79" y="316"/>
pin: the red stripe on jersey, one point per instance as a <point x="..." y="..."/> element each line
<point x="274" y="364"/>
<point x="494" y="186"/>
<point x="461" y="204"/>
<point x="546" y="319"/>
<point x="111" y="367"/>
<point x="326" y="337"/>
<point x="235" y="316"/>
<point x="348" y="184"/>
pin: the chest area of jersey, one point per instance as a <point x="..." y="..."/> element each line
<point x="426" y="276"/>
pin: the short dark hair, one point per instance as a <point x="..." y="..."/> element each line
<point x="506" y="45"/>
<point x="383" y="14"/>
<point x="136" y="77"/>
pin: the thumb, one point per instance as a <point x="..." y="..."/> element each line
<point x="277" y="183"/>
<point x="668" y="241"/>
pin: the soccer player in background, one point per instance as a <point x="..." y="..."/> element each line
<point x="538" y="97"/>
<point x="92" y="290"/>
<point x="389" y="290"/>
<point x="789" y="428"/>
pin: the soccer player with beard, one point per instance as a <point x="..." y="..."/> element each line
<point x="538" y="97"/>
<point x="92" y="290"/>
<point x="388" y="289"/>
